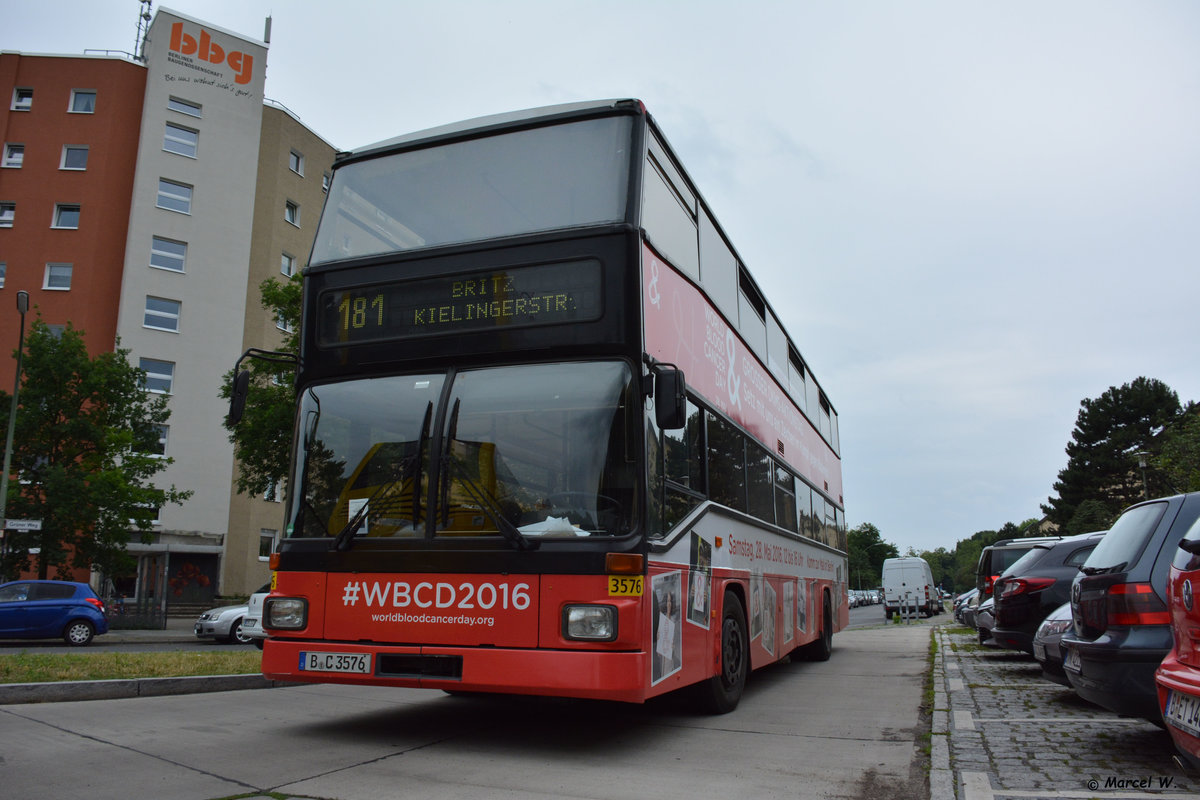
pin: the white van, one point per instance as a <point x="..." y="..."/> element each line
<point x="909" y="582"/>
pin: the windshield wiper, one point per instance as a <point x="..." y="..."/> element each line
<point x="409" y="467"/>
<point x="477" y="492"/>
<point x="1104" y="570"/>
<point x="484" y="499"/>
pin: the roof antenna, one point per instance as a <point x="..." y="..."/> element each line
<point x="139" y="47"/>
<point x="267" y="31"/>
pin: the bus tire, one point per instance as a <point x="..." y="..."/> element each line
<point x="720" y="693"/>
<point x="822" y="648"/>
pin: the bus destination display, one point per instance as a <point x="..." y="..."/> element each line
<point x="544" y="294"/>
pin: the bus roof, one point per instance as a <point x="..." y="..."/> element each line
<point x="484" y="123"/>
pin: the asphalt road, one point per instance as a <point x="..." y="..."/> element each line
<point x="847" y="728"/>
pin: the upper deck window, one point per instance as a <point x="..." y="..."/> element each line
<point x="541" y="179"/>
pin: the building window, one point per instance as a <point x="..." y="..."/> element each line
<point x="162" y="314"/>
<point x="66" y="215"/>
<point x="74" y="156"/>
<point x="8" y="214"/>
<point x="325" y="182"/>
<point x="266" y="543"/>
<point x="58" y="277"/>
<point x="22" y="99"/>
<point x="182" y="141"/>
<point x="291" y="213"/>
<point x="174" y="196"/>
<point x="283" y="325"/>
<point x="168" y="254"/>
<point x="158" y="446"/>
<point x="287" y="265"/>
<point x="160" y="375"/>
<point x="296" y="162"/>
<point x="83" y="101"/>
<point x="3" y="272"/>
<point x="183" y="106"/>
<point x="14" y="156"/>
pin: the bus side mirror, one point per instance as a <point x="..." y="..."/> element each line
<point x="670" y="398"/>
<point x="237" y="399"/>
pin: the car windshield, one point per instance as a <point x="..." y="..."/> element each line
<point x="522" y="452"/>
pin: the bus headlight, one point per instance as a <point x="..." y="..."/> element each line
<point x="285" y="613"/>
<point x="590" y="623"/>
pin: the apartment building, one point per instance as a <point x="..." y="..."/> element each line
<point x="146" y="199"/>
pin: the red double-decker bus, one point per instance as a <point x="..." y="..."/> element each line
<point x="550" y="437"/>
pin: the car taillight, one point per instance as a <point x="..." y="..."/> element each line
<point x="97" y="602"/>
<point x="1135" y="604"/>
<point x="1015" y="586"/>
<point x="989" y="584"/>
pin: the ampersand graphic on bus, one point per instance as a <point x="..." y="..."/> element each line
<point x="732" y="382"/>
<point x="652" y="289"/>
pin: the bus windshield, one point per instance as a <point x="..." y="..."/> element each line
<point x="523" y="453"/>
<point x="478" y="189"/>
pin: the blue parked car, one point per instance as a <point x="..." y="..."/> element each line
<point x="50" y="609"/>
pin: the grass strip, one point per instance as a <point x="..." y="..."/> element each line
<point x="27" y="667"/>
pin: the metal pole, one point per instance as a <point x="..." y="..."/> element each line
<point x="22" y="307"/>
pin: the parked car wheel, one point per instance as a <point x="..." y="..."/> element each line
<point x="79" y="633"/>
<point x="237" y="634"/>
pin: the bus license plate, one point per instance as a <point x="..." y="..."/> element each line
<point x="625" y="585"/>
<point x="1183" y="711"/>
<point x="335" y="662"/>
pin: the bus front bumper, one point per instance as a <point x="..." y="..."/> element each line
<point x="623" y="676"/>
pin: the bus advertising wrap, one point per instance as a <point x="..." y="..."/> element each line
<point x="435" y="609"/>
<point x="682" y="328"/>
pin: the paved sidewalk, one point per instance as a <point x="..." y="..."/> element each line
<point x="1001" y="730"/>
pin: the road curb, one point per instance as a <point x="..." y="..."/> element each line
<point x="18" y="693"/>
<point x="941" y="775"/>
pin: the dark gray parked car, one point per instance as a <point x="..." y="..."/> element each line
<point x="1038" y="583"/>
<point x="1120" y="623"/>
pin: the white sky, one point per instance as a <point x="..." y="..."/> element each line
<point x="969" y="215"/>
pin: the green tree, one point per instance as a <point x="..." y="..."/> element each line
<point x="865" y="555"/>
<point x="262" y="441"/>
<point x="85" y="447"/>
<point x="1101" y="456"/>
<point x="1178" y="459"/>
<point x="1091" y="515"/>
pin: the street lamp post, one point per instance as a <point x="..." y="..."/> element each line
<point x="1143" y="457"/>
<point x="22" y="307"/>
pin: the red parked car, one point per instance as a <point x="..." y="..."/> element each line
<point x="1178" y="677"/>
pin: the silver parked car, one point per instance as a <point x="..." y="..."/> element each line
<point x="228" y="623"/>
<point x="252" y="622"/>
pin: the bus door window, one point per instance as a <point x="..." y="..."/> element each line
<point x="683" y="466"/>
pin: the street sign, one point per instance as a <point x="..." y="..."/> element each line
<point x="23" y="524"/>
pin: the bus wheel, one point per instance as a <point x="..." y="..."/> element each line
<point x="822" y="648"/>
<point x="720" y="693"/>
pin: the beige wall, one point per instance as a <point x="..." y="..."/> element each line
<point x="221" y="72"/>
<point x="282" y="133"/>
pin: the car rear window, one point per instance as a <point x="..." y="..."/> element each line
<point x="53" y="591"/>
<point x="1028" y="559"/>
<point x="1122" y="545"/>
